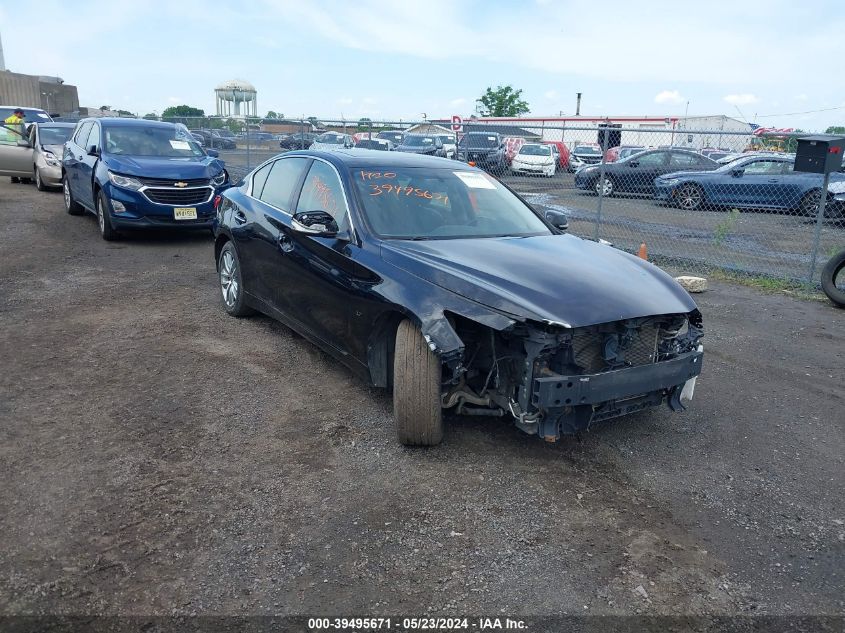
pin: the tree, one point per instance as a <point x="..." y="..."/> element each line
<point x="182" y="111"/>
<point x="503" y="101"/>
<point x="271" y="114"/>
<point x="364" y="123"/>
<point x="835" y="129"/>
<point x="125" y="113"/>
<point x="105" y="107"/>
<point x="151" y="116"/>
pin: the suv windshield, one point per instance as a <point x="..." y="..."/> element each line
<point x="418" y="141"/>
<point x="49" y="135"/>
<point x="446" y="139"/>
<point x="480" y="140"/>
<point x="150" y="141"/>
<point x="425" y="203"/>
<point x="588" y="150"/>
<point x="535" y="150"/>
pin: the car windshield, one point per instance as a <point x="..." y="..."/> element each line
<point x="425" y="203"/>
<point x="392" y="136"/>
<point x="588" y="150"/>
<point x="150" y="141"/>
<point x="418" y="141"/>
<point x="54" y="135"/>
<point x="330" y="139"/>
<point x="446" y="139"/>
<point x="535" y="150"/>
<point x="480" y="140"/>
<point x="223" y="133"/>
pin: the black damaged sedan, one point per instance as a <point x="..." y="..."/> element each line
<point x="431" y="279"/>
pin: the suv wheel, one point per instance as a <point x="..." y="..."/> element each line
<point x="71" y="206"/>
<point x="107" y="231"/>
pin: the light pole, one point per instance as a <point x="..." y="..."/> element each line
<point x="47" y="94"/>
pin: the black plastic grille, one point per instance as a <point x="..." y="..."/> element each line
<point x="179" y="197"/>
<point x="169" y="182"/>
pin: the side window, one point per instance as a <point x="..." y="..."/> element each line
<point x="763" y="167"/>
<point x="93" y="137"/>
<point x="657" y="159"/>
<point x="683" y="160"/>
<point x="259" y="179"/>
<point x="82" y="133"/>
<point x="322" y="191"/>
<point x="9" y="135"/>
<point x="278" y="188"/>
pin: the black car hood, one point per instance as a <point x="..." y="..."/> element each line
<point x="552" y="278"/>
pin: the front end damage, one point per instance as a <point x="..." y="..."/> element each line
<point x="557" y="380"/>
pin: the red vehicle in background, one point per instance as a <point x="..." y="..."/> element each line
<point x="512" y="145"/>
<point x="562" y="153"/>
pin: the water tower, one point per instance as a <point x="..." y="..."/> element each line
<point x="231" y="94"/>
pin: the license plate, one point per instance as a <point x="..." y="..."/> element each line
<point x="185" y="213"/>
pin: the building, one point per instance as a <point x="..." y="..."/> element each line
<point x="648" y="131"/>
<point x="33" y="91"/>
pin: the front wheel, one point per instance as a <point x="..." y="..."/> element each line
<point x="39" y="184"/>
<point x="833" y="286"/>
<point x="690" y="197"/>
<point x="605" y="186"/>
<point x="107" y="231"/>
<point x="810" y="203"/>
<point x="71" y="205"/>
<point x="231" y="282"/>
<point x="416" y="389"/>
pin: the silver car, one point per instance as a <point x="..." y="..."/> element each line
<point x="48" y="141"/>
<point x="330" y="141"/>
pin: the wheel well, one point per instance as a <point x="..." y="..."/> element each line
<point x="218" y="246"/>
<point x="381" y="348"/>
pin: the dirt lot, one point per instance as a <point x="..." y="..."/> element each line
<point x="159" y="457"/>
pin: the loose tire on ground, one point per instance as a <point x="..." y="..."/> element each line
<point x="416" y="389"/>
<point x="834" y="267"/>
<point x="71" y="205"/>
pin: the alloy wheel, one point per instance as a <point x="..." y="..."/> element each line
<point x="604" y="186"/>
<point x="229" y="279"/>
<point x="811" y="202"/>
<point x="66" y="192"/>
<point x="689" y="197"/>
<point x="101" y="218"/>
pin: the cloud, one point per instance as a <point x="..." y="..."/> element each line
<point x="344" y="101"/>
<point x="457" y="102"/>
<point x="746" y="98"/>
<point x="177" y="100"/>
<point x="551" y="95"/>
<point x="369" y="101"/>
<point x="670" y="97"/>
<point x="801" y="97"/>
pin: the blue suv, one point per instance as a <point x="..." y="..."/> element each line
<point x="133" y="173"/>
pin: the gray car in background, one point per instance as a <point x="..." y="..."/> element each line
<point x="48" y="141"/>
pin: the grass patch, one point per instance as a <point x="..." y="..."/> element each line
<point x="800" y="289"/>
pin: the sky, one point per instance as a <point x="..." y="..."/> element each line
<point x="774" y="62"/>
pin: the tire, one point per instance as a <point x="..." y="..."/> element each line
<point x="690" y="197"/>
<point x="609" y="186"/>
<point x="71" y="205"/>
<point x="416" y="389"/>
<point x="231" y="282"/>
<point x="834" y="267"/>
<point x="107" y="231"/>
<point x="39" y="184"/>
<point x="809" y="205"/>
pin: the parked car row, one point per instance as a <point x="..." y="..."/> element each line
<point x="691" y="181"/>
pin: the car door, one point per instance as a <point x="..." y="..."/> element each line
<point x="258" y="228"/>
<point x="15" y="152"/>
<point x="86" y="164"/>
<point x="757" y="183"/>
<point x="795" y="185"/>
<point x="74" y="153"/>
<point x="316" y="274"/>
<point x="638" y="175"/>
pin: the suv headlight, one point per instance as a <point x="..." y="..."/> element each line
<point x="220" y="179"/>
<point x="125" y="181"/>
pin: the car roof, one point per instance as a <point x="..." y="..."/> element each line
<point x="54" y="124"/>
<point x="351" y="158"/>
<point x="113" y="121"/>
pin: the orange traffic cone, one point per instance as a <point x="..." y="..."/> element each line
<point x="643" y="252"/>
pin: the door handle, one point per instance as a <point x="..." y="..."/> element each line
<point x="774" y="180"/>
<point x="79" y="157"/>
<point x="239" y="217"/>
<point x="285" y="243"/>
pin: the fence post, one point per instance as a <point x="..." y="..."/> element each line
<point x="818" y="233"/>
<point x="601" y="185"/>
<point x="248" y="141"/>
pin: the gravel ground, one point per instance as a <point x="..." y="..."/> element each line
<point x="159" y="457"/>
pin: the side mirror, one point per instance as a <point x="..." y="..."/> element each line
<point x="557" y="220"/>
<point x="736" y="173"/>
<point x="213" y="153"/>
<point x="23" y="143"/>
<point x="93" y="151"/>
<point x="634" y="163"/>
<point x="315" y="223"/>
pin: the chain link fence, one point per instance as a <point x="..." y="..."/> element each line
<point x="701" y="200"/>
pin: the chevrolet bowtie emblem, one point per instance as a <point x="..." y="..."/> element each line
<point x="180" y="184"/>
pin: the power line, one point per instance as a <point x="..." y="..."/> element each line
<point x="768" y="116"/>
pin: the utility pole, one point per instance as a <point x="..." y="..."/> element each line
<point x="578" y="104"/>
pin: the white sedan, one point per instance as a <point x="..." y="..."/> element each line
<point x="534" y="158"/>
